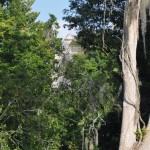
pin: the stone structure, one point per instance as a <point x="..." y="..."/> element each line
<point x="70" y="48"/>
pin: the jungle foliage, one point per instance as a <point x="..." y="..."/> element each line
<point x="78" y="113"/>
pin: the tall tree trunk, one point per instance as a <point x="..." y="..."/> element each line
<point x="130" y="76"/>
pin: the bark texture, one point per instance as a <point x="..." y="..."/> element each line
<point x="130" y="76"/>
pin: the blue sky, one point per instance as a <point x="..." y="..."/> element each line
<point x="55" y="7"/>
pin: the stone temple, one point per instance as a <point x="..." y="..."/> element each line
<point x="69" y="48"/>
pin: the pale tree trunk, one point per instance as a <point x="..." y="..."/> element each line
<point x="130" y="76"/>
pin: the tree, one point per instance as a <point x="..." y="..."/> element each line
<point x="130" y="77"/>
<point x="95" y="34"/>
<point x="26" y="62"/>
<point x="86" y="96"/>
<point x="97" y="22"/>
<point x="51" y="27"/>
<point x="131" y="108"/>
<point x="78" y="17"/>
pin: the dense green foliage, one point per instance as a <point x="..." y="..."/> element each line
<point x="33" y="114"/>
<point x="87" y="95"/>
<point x="99" y="24"/>
<point x="26" y="68"/>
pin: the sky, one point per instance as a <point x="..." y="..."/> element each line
<point x="56" y="8"/>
